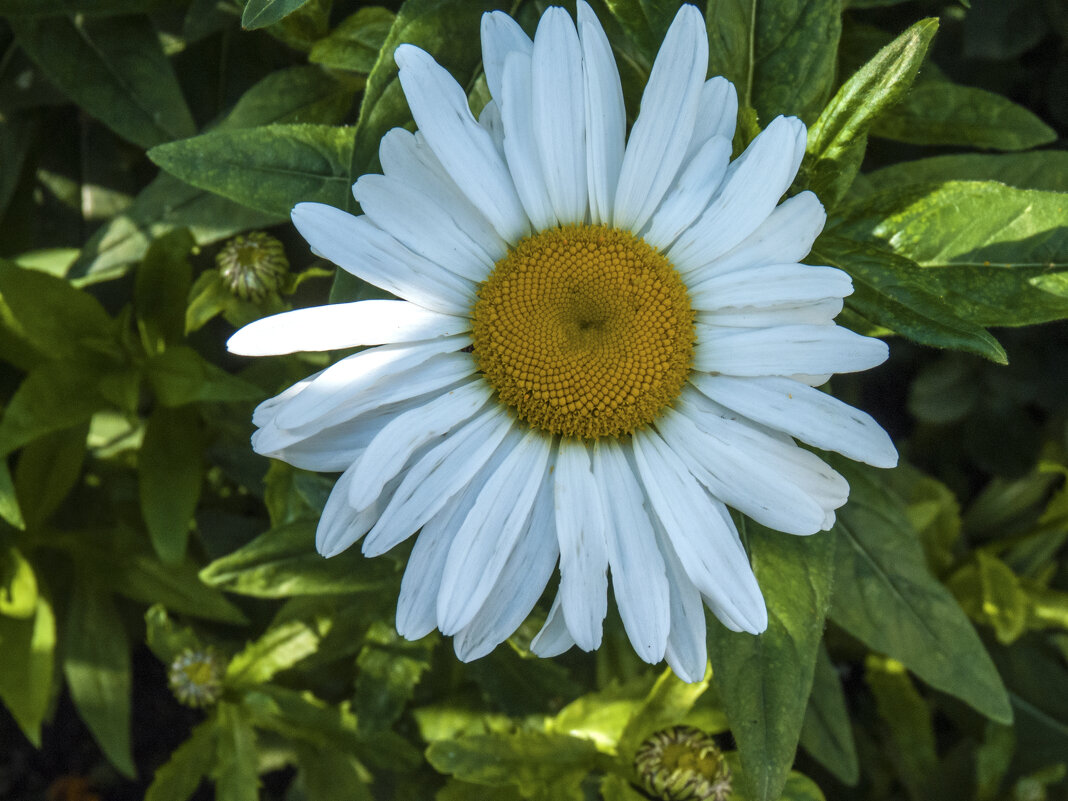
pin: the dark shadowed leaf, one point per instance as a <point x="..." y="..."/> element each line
<point x="170" y="471"/>
<point x="48" y="469"/>
<point x="261" y="13"/>
<point x="390" y="668"/>
<point x="827" y="733"/>
<point x="180" y="375"/>
<point x="178" y="778"/>
<point x="645" y="21"/>
<point x="1044" y="169"/>
<point x="355" y="43"/>
<point x="160" y="290"/>
<point x="64" y="8"/>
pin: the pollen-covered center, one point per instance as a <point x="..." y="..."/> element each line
<point x="586" y="331"/>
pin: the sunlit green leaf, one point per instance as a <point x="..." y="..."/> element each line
<point x="236" y="769"/>
<point x="27" y="664"/>
<point x="178" y="778"/>
<point x="991" y="593"/>
<point x="666" y="704"/>
<point x="837" y="141"/>
<point x="261" y="13"/>
<point x="96" y="662"/>
<point x="18" y="584"/>
<point x="1044" y="169"/>
<point x="355" y="43"/>
<point x="885" y="597"/>
<point x="115" y="69"/>
<point x="765" y="680"/>
<point x="602" y="716"/>
<point x="166" y="638"/>
<point x="280" y="648"/>
<point x="9" y="501"/>
<point x="827" y="733"/>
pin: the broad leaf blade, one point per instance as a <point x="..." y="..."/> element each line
<point x="827" y="733"/>
<point x="261" y="13"/>
<point x="170" y="472"/>
<point x="27" y="664"/>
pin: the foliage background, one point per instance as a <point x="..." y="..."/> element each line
<point x="136" y="136"/>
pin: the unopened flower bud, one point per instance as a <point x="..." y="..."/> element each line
<point x="253" y="265"/>
<point x="196" y="677"/>
<point x="683" y="764"/>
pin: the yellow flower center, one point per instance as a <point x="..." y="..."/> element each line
<point x="586" y="331"/>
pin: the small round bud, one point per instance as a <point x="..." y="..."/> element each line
<point x="683" y="764"/>
<point x="253" y="265"/>
<point x="196" y="677"/>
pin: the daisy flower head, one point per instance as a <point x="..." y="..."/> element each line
<point x="601" y="341"/>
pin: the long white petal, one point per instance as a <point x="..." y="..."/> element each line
<point x="394" y="444"/>
<point x="803" y="412"/>
<point x="554" y="638"/>
<point x="665" y="123"/>
<point x="343" y="325"/>
<point x="639" y="579"/>
<point x="606" y="116"/>
<point x="821" y="312"/>
<point x="580" y="527"/>
<point x="786" y="350"/>
<point x="490" y="531"/>
<point x="772" y="285"/>
<point x="687" y="651"/>
<point x="501" y="35"/>
<point x="689" y="197"/>
<point x="465" y="149"/>
<point x="368" y="252"/>
<point x="559" y="106"/>
<point x="520" y="146"/>
<point x="717" y="114"/>
<point x="340" y="525"/>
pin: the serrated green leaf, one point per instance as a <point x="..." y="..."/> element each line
<point x="1043" y="169"/>
<point x="236" y="769"/>
<point x="261" y="13"/>
<point x="667" y="703"/>
<point x="283" y="562"/>
<point x="896" y="293"/>
<point x="987" y="241"/>
<point x="114" y="68"/>
<point x="938" y="112"/>
<point x="180" y="375"/>
<point x="765" y="680"/>
<point x="48" y="469"/>
<point x="277" y="650"/>
<point x="170" y="472"/>
<point x="837" y="141"/>
<point x="180" y="776"/>
<point x="885" y="596"/>
<point x="355" y="43"/>
<point x="602" y="716"/>
<point x="18" y="584"/>
<point x="390" y="667"/>
<point x="827" y="733"/>
<point x="160" y="289"/>
<point x="96" y="662"/>
<point x="270" y="168"/>
<point x="523" y="759"/>
<point x="27" y="664"/>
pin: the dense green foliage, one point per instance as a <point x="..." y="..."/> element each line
<point x="918" y="650"/>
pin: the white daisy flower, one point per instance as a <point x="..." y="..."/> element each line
<point x="600" y="343"/>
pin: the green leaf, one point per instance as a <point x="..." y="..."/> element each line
<point x="170" y="471"/>
<point x="48" y="469"/>
<point x="283" y="562"/>
<point x="646" y="22"/>
<point x="271" y="168"/>
<point x="96" y="662"/>
<point x="27" y="663"/>
<point x="896" y="293"/>
<point x="355" y="43"/>
<point x="667" y="703"/>
<point x="1043" y="169"/>
<point x="616" y="788"/>
<point x="1054" y="283"/>
<point x="390" y="668"/>
<point x="180" y="776"/>
<point x="63" y="8"/>
<point x="160" y="290"/>
<point x="166" y="639"/>
<point x="938" y="112"/>
<point x="16" y="135"/>
<point x="291" y="494"/>
<point x="113" y="68"/>
<point x="261" y="13"/>
<point x="18" y="584"/>
<point x="602" y="716"/>
<point x="986" y="239"/>
<point x="827" y="733"/>
<point x="838" y="139"/>
<point x="991" y="593"/>
<point x="9" y="501"/>
<point x="765" y="680"/>
<point x="279" y="649"/>
<point x="180" y="375"/>
<point x="236" y="770"/>
<point x="523" y="759"/>
<point x="798" y="787"/>
<point x="908" y="722"/>
<point x="328" y="774"/>
<point x="886" y="597"/>
<point x="177" y="586"/>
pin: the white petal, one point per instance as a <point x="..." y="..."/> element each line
<point x="520" y="584"/>
<point x="559" y="114"/>
<point x="490" y="120"/>
<point x="689" y="197"/>
<point x="786" y="350"/>
<point x="686" y="652"/>
<point x="358" y="373"/>
<point x="490" y="531"/>
<point x="465" y="150"/>
<point x="708" y="547"/>
<point x="394" y="444"/>
<point x="554" y="638"/>
<point x="606" y="116"/>
<point x="501" y="35"/>
<point x="368" y="252"/>
<point x="737" y="477"/>
<point x="340" y="525"/>
<point x="803" y="412"/>
<point x="639" y="579"/>
<point x="343" y="325"/>
<point x="717" y="114"/>
<point x="821" y="312"/>
<point x="440" y="474"/>
<point x="665" y="124"/>
<point x="407" y="157"/>
<point x="420" y="223"/>
<point x="753" y="186"/>
<point x="771" y="285"/>
<point x="580" y="527"/>
<point x="520" y="146"/>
